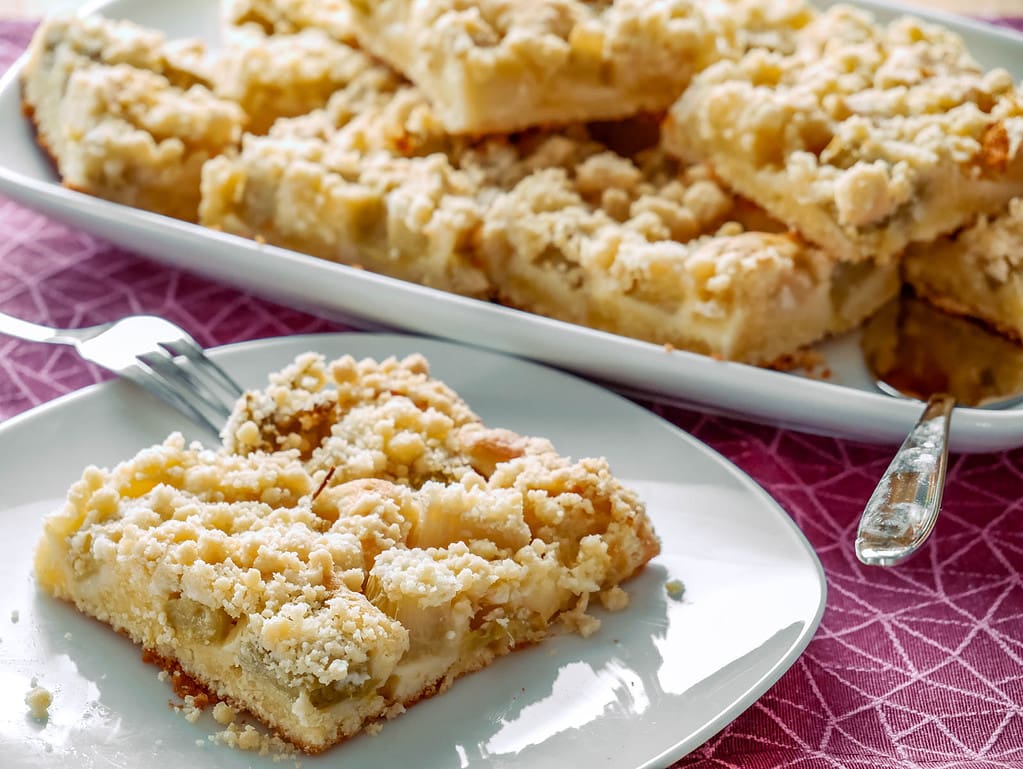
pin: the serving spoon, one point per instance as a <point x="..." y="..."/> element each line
<point x="915" y="351"/>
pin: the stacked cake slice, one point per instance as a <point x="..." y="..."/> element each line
<point x="866" y="138"/>
<point x="876" y="141"/>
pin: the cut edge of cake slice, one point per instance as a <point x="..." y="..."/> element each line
<point x="398" y="545"/>
<point x="865" y="138"/>
<point x="489" y="67"/>
<point x="125" y="115"/>
<point x="977" y="272"/>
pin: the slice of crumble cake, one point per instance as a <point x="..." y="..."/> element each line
<point x="124" y="114"/>
<point x="288" y="17"/>
<point x="284" y="75"/>
<point x="865" y="138"/>
<point x="359" y="542"/>
<point x="922" y="350"/>
<point x="650" y="249"/>
<point x="337" y="184"/>
<point x="502" y="65"/>
<point x="977" y="272"/>
<point x="413" y="219"/>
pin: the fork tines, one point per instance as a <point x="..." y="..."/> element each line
<point x="184" y="365"/>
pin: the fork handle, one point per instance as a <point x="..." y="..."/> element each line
<point x="905" y="505"/>
<point x="33" y="332"/>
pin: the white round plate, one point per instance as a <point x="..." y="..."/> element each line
<point x="657" y="679"/>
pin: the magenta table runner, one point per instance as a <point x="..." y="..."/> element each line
<point x="920" y="666"/>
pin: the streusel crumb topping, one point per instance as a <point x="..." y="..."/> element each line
<point x="275" y="76"/>
<point x="858" y="119"/>
<point x="549" y="32"/>
<point x="652" y="227"/>
<point x="377" y="110"/>
<point x="68" y="42"/>
<point x="995" y="243"/>
<point x="288" y="17"/>
<point x="359" y="541"/>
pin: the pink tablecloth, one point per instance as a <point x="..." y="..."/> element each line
<point x="916" y="666"/>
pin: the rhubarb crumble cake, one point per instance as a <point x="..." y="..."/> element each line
<point x="501" y="65"/>
<point x="653" y="250"/>
<point x="284" y="75"/>
<point x="288" y="17"/>
<point x="363" y="181"/>
<point x="410" y="218"/>
<point x="865" y="138"/>
<point x="124" y="114"/>
<point x="359" y="542"/>
<point x="978" y="271"/>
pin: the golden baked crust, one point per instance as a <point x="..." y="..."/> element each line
<point x="284" y="75"/>
<point x="125" y="115"/>
<point x="650" y="249"/>
<point x="866" y="138"/>
<point x="288" y="17"/>
<point x="978" y="271"/>
<point x="502" y="65"/>
<point x="413" y="219"/>
<point x="359" y="542"/>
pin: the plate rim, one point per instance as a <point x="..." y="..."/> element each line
<point x="779" y="516"/>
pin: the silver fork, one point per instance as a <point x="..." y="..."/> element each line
<point x="152" y="352"/>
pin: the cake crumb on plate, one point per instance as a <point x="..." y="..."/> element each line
<point x="39" y="700"/>
<point x="675" y="588"/>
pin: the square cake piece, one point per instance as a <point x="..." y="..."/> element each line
<point x="124" y="114"/>
<point x="288" y="17"/>
<point x="865" y="138"/>
<point x="364" y="181"/>
<point x="651" y="249"/>
<point x="977" y="272"/>
<point x="503" y="65"/>
<point x="284" y="75"/>
<point x="359" y="542"/>
<point x="415" y="219"/>
<point x="922" y="350"/>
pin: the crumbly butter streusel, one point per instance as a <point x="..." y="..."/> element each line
<point x="359" y="541"/>
<point x="865" y="138"/>
<point x="125" y="114"/>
